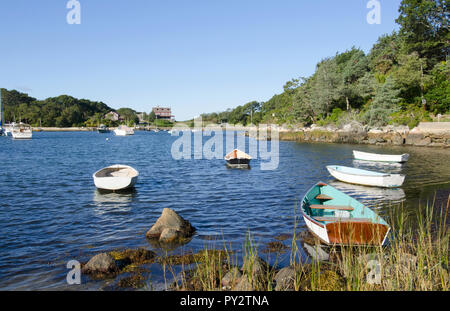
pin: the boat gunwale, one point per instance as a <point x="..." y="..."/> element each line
<point x="382" y="154"/>
<point x="245" y="155"/>
<point x="118" y="166"/>
<point x="323" y="224"/>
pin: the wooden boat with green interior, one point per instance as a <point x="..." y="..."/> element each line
<point x="336" y="218"/>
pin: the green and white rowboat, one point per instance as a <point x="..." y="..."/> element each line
<point x="338" y="219"/>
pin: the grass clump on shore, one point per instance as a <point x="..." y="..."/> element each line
<point x="416" y="258"/>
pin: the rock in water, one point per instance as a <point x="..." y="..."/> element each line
<point x="170" y="227"/>
<point x="101" y="263"/>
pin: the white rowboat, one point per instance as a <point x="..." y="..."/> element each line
<point x="367" y="178"/>
<point x="359" y="155"/>
<point x="116" y="177"/>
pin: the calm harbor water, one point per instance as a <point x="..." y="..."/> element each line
<point x="51" y="212"/>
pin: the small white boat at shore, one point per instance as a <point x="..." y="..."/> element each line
<point x="123" y="130"/>
<point x="365" y="156"/>
<point x="115" y="177"/>
<point x="367" y="178"/>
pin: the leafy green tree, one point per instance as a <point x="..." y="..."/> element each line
<point x="151" y="117"/>
<point x="425" y="28"/>
<point x="61" y="111"/>
<point x="438" y="95"/>
<point x="351" y="65"/>
<point x="411" y="77"/>
<point x="384" y="54"/>
<point x="129" y="115"/>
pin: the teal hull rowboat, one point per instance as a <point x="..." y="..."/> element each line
<point x="338" y="219"/>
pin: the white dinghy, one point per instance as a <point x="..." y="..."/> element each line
<point x="123" y="130"/>
<point x="367" y="178"/>
<point x="365" y="156"/>
<point x="116" y="177"/>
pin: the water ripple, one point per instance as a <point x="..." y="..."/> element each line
<point x="51" y="212"/>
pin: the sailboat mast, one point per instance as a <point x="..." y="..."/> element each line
<point x="2" y="119"/>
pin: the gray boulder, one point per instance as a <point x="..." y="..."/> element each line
<point x="354" y="127"/>
<point x="101" y="263"/>
<point x="244" y="285"/>
<point x="170" y="227"/>
<point x="231" y="277"/>
<point x="255" y="266"/>
<point x="285" y="279"/>
<point x="316" y="252"/>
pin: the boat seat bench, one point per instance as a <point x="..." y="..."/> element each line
<point x="343" y="219"/>
<point x="331" y="207"/>
<point x="323" y="197"/>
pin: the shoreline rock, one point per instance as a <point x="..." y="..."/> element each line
<point x="170" y="228"/>
<point x="101" y="264"/>
<point x="421" y="136"/>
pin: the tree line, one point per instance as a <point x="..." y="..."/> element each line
<point x="67" y="111"/>
<point x="404" y="79"/>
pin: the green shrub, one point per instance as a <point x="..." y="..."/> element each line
<point x="411" y="115"/>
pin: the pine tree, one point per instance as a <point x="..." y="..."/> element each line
<point x="384" y="104"/>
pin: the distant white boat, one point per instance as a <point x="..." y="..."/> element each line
<point x="116" y="177"/>
<point x="359" y="155"/>
<point x="123" y="130"/>
<point x="21" y="131"/>
<point x="367" y="178"/>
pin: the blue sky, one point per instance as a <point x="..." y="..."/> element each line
<point x="193" y="56"/>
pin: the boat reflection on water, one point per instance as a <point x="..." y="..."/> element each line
<point x="371" y="196"/>
<point x="108" y="201"/>
<point x="386" y="167"/>
<point x="316" y="252"/>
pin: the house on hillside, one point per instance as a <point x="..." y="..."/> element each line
<point x="163" y="113"/>
<point x="113" y="116"/>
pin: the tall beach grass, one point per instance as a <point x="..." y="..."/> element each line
<point x="414" y="258"/>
